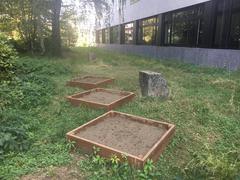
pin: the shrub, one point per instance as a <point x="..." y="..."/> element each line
<point x="13" y="139"/>
<point x="105" y="168"/>
<point x="14" y="136"/>
<point x="208" y="165"/>
<point x="7" y="57"/>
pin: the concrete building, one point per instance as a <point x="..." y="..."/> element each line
<point x="203" y="32"/>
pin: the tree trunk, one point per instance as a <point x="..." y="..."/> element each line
<point x="56" y="37"/>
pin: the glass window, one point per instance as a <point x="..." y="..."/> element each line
<point x="148" y="31"/>
<point x="105" y="36"/>
<point x="128" y="33"/>
<point x="167" y="28"/>
<point x="220" y="21"/>
<point x="115" y="35"/>
<point x="183" y="33"/>
<point x="99" y="36"/>
<point x="227" y="28"/>
<point x="234" y="38"/>
<point x="107" y="40"/>
<point x="184" y="28"/>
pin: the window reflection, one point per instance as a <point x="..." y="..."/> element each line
<point x="148" y="31"/>
<point x="184" y="28"/>
<point x="99" y="36"/>
<point x="106" y="35"/>
<point x="234" y="39"/>
<point x="115" y="35"/>
<point x="128" y="33"/>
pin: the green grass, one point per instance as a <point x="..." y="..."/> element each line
<point x="204" y="104"/>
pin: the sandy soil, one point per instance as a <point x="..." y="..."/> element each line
<point x="102" y="97"/>
<point x="123" y="134"/>
<point x="91" y="80"/>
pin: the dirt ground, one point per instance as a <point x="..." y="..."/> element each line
<point x="102" y="97"/>
<point x="124" y="134"/>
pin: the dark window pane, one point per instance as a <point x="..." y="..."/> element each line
<point x="107" y="36"/>
<point x="100" y="36"/>
<point x="234" y="39"/>
<point x="219" y="30"/>
<point x="167" y="36"/>
<point x="184" y="28"/>
<point x="128" y="33"/>
<point x="236" y="4"/>
<point x="183" y="33"/>
<point x="220" y="23"/>
<point x="97" y="37"/>
<point x="168" y="17"/>
<point x="103" y="36"/>
<point x="227" y="29"/>
<point x="115" y="35"/>
<point x="200" y="32"/>
<point x="184" y="15"/>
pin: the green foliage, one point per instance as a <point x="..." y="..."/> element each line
<point x="69" y="32"/>
<point x="13" y="139"/>
<point x="149" y="171"/>
<point x="32" y="85"/>
<point x="208" y="165"/>
<point x="202" y="113"/>
<point x="7" y="57"/>
<point x="236" y="98"/>
<point x="30" y="89"/>
<point x="102" y="168"/>
<point x="39" y="156"/>
<point x="15" y="132"/>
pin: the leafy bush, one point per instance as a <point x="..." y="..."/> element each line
<point x="208" y="165"/>
<point x="30" y="88"/>
<point x="13" y="139"/>
<point x="104" y="168"/>
<point x="7" y="57"/>
<point x="14" y="134"/>
<point x="32" y="85"/>
<point x="26" y="94"/>
<point x="40" y="67"/>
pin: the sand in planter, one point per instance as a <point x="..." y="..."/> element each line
<point x="90" y="80"/>
<point x="102" y="97"/>
<point x="124" y="134"/>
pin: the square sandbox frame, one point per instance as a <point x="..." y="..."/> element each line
<point x="83" y="83"/>
<point x="78" y="99"/>
<point x="153" y="153"/>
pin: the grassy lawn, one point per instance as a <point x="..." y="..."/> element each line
<point x="204" y="104"/>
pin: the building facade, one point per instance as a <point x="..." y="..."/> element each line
<point x="203" y="32"/>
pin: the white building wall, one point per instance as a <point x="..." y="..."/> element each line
<point x="146" y="8"/>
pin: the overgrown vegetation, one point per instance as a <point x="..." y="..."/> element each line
<point x="7" y="57"/>
<point x="204" y="104"/>
<point x="97" y="167"/>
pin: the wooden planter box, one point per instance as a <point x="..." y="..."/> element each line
<point x="101" y="98"/>
<point x="90" y="82"/>
<point x="115" y="133"/>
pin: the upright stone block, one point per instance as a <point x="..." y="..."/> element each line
<point x="153" y="84"/>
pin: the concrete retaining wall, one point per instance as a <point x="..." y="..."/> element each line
<point x="219" y="58"/>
